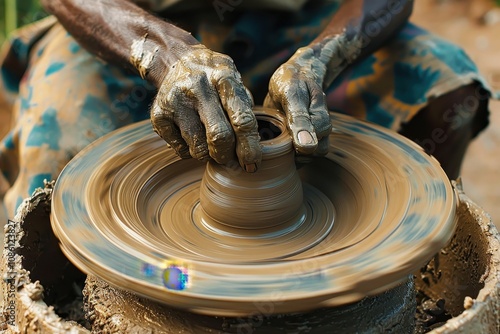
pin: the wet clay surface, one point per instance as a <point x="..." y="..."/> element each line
<point x="452" y="276"/>
<point x="126" y="209"/>
<point x="271" y="196"/>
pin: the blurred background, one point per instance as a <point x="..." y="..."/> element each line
<point x="16" y="13"/>
<point x="473" y="24"/>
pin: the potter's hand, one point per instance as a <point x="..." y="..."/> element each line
<point x="296" y="88"/>
<point x="203" y="110"/>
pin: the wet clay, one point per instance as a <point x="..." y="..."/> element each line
<point x="140" y="58"/>
<point x="127" y="209"/>
<point x="269" y="197"/>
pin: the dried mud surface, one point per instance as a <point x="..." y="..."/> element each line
<point x="62" y="282"/>
<point x="430" y="314"/>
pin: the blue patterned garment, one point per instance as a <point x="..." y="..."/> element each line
<point x="62" y="98"/>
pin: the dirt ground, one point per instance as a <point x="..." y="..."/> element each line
<point x="462" y="21"/>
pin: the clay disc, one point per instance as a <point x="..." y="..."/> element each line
<point x="125" y="209"/>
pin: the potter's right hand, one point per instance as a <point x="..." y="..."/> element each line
<point x="203" y="110"/>
<point x="296" y="88"/>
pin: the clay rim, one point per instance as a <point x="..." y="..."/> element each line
<point x="275" y="146"/>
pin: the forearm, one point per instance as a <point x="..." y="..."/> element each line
<point x="357" y="29"/>
<point x="122" y="33"/>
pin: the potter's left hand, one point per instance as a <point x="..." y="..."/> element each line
<point x="296" y="88"/>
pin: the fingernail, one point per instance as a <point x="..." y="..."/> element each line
<point x="305" y="138"/>
<point x="250" y="168"/>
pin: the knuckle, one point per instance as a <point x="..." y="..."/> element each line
<point x="194" y="78"/>
<point x="301" y="121"/>
<point x="158" y="125"/>
<point x="200" y="153"/>
<point x="250" y="150"/>
<point x="160" y="118"/>
<point x="242" y="115"/>
<point x="187" y="86"/>
<point x="198" y="147"/>
<point x="290" y="88"/>
<point x="277" y="77"/>
<point x="178" y="145"/>
<point x="300" y="116"/>
<point x="168" y="95"/>
<point x="285" y="71"/>
<point x="250" y="157"/>
<point x="224" y="59"/>
<point x="228" y="77"/>
<point x="244" y="121"/>
<point x="156" y="111"/>
<point x="218" y="136"/>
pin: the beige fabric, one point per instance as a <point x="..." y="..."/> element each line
<point x="181" y="5"/>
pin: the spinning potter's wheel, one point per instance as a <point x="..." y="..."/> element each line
<point x="213" y="239"/>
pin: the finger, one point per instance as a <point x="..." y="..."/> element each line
<point x="164" y="126"/>
<point x="295" y="103"/>
<point x="318" y="111"/>
<point x="193" y="132"/>
<point x="237" y="102"/>
<point x="219" y="133"/>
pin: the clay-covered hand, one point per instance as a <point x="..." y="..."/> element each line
<point x="203" y="110"/>
<point x="297" y="89"/>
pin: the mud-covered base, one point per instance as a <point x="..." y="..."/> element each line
<point x="101" y="301"/>
<point x="114" y="310"/>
